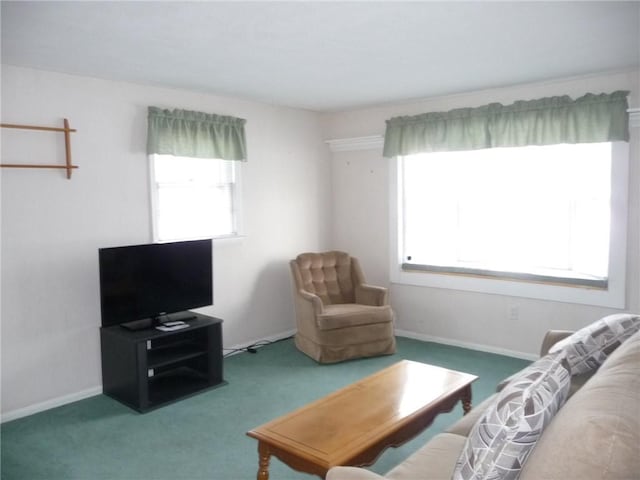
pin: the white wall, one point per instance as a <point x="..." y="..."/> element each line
<point x="52" y="227"/>
<point x="492" y="322"/>
<point x="360" y="184"/>
<point x="296" y="198"/>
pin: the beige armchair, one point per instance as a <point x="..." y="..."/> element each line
<point x="339" y="316"/>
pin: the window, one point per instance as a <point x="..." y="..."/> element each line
<point x="194" y="197"/>
<point x="554" y="215"/>
<point x="195" y="173"/>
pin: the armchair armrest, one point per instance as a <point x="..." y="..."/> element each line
<point x="371" y="295"/>
<point x="314" y="300"/>
<point x="551" y="338"/>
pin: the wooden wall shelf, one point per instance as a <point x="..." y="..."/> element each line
<point x="67" y="144"/>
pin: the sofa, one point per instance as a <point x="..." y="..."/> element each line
<point x="595" y="433"/>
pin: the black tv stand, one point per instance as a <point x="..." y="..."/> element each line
<point x="152" y="322"/>
<point x="148" y="368"/>
<point x="135" y="325"/>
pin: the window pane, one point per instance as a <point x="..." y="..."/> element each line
<point x="169" y="169"/>
<point x="194" y="198"/>
<point x="191" y="212"/>
<point x="509" y="209"/>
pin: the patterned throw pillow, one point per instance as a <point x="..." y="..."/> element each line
<point x="501" y="440"/>
<point x="589" y="347"/>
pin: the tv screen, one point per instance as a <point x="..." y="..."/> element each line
<point x="141" y="282"/>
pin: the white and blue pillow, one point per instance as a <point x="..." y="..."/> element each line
<point x="590" y="346"/>
<point x="502" y="439"/>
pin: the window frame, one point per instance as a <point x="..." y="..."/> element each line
<point x="236" y="202"/>
<point x="614" y="295"/>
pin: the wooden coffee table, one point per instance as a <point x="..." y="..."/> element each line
<point x="355" y="424"/>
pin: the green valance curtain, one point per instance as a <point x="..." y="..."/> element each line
<point x="195" y="134"/>
<point x="547" y="121"/>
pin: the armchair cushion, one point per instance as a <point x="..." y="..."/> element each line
<point x="351" y="314"/>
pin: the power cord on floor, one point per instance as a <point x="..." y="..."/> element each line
<point x="253" y="348"/>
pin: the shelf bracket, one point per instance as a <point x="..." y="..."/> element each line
<point x="68" y="166"/>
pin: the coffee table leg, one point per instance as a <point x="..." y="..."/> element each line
<point x="466" y="400"/>
<point x="263" y="470"/>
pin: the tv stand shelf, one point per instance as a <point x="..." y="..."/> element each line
<point x="173" y="355"/>
<point x="146" y="369"/>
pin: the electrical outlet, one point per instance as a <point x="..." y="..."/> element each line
<point x="514" y="313"/>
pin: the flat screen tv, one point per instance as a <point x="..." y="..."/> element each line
<point x="139" y="284"/>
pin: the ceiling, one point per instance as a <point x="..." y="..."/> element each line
<point x="323" y="56"/>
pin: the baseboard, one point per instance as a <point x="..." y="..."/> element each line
<point x="235" y="349"/>
<point x="74" y="397"/>
<point x="470" y="346"/>
<point x="407" y="334"/>
<point x="49" y="404"/>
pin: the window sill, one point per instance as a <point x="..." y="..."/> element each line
<point x="229" y="238"/>
<point x="613" y="296"/>
<point x="539" y="277"/>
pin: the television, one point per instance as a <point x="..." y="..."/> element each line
<point x="139" y="284"/>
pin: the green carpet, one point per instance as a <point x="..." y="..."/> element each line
<point x="203" y="437"/>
